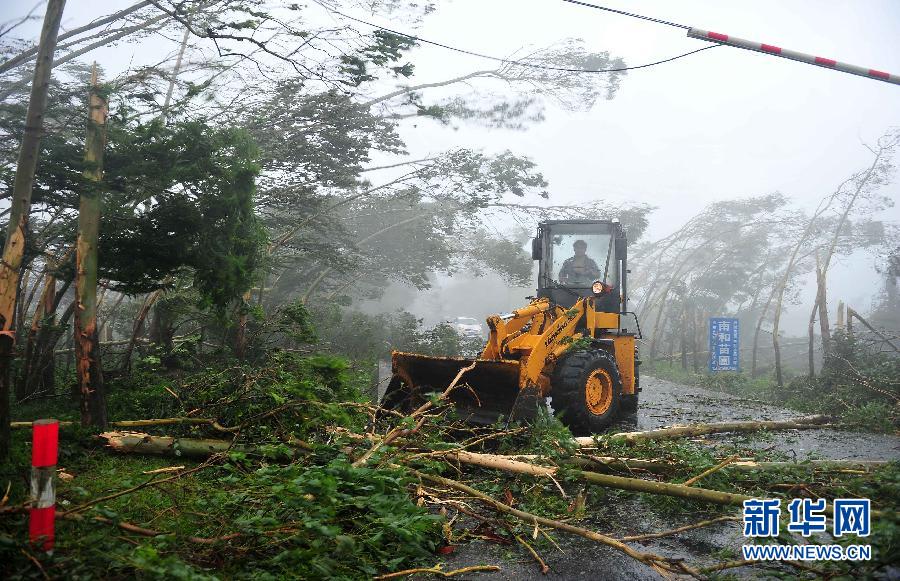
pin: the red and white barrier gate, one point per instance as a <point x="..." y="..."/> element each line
<point x="793" y="55"/>
<point x="45" y="444"/>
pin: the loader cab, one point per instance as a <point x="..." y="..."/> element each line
<point x="572" y="254"/>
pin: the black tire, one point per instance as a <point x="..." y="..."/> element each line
<point x="570" y="387"/>
<point x="629" y="404"/>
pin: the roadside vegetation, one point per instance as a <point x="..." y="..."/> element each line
<point x="290" y="498"/>
<point x="858" y="385"/>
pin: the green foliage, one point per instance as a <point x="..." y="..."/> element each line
<point x="350" y="522"/>
<point x="365" y="336"/>
<point x="387" y="47"/>
<point x="175" y="197"/>
<point x="855" y="382"/>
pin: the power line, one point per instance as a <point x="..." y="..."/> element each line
<point x="623" y="13"/>
<point x="519" y="62"/>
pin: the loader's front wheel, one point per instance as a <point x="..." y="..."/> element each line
<point x="587" y="391"/>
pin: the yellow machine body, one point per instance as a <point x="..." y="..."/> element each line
<point x="520" y="355"/>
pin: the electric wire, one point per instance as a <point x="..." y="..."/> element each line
<point x="631" y="14"/>
<point x="525" y="63"/>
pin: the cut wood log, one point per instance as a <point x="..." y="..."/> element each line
<point x="822" y="465"/>
<point x="141" y="443"/>
<point x="605" y="480"/>
<point x="198" y="448"/>
<point x="617" y="482"/>
<point x="807" y="422"/>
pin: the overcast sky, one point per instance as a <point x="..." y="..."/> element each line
<point x="720" y="124"/>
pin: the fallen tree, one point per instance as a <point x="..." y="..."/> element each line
<point x="661" y="564"/>
<point x="807" y="422"/>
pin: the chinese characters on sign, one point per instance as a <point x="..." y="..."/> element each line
<point x="724" y="344"/>
<point x="851" y="516"/>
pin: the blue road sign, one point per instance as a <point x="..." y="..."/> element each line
<point x="724" y="344"/>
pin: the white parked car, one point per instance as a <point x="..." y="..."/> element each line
<point x="468" y="326"/>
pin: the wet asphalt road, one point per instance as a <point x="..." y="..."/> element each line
<point x="664" y="403"/>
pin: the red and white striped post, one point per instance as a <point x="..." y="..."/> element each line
<point x="45" y="445"/>
<point x="793" y="55"/>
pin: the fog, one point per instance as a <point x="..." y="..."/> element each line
<point x="720" y="124"/>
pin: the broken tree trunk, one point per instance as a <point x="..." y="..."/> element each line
<point x="140" y="443"/>
<point x="808" y="422"/>
<point x="13" y="249"/>
<point x="87" y="351"/>
<point x="240" y="340"/>
<point x="811" y="336"/>
<point x="852" y="313"/>
<point x="138" y="327"/>
<point x="821" y="300"/>
<point x="198" y="448"/>
<point x="821" y="465"/>
<point x="605" y="480"/>
<point x="33" y="378"/>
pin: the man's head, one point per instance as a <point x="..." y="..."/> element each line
<point x="580" y="247"/>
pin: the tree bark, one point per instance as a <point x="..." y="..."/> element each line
<point x="166" y="446"/>
<point x="87" y="349"/>
<point x="759" y="323"/>
<point x="175" y="71"/>
<point x="240" y="340"/>
<point x="807" y="422"/>
<point x="21" y="206"/>
<point x="32" y="379"/>
<point x="138" y="327"/>
<point x="812" y="340"/>
<point x="824" y="325"/>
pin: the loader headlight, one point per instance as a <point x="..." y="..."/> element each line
<point x="600" y="288"/>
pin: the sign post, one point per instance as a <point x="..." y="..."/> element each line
<point x="724" y="344"/>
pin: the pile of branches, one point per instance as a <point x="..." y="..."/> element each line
<point x="385" y="448"/>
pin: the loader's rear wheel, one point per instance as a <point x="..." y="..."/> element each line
<point x="587" y="391"/>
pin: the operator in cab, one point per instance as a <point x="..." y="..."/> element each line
<point x="579" y="269"/>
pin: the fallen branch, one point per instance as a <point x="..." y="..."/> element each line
<point x="657" y="562"/>
<point x="143" y="423"/>
<point x="125" y="526"/>
<point x="626" y="464"/>
<point x="715" y="468"/>
<point x="605" y="480"/>
<point x="808" y="422"/>
<point x="824" y="465"/>
<point x="544" y="568"/>
<point x="398" y="431"/>
<point x="747" y="563"/>
<point x="685" y="528"/>
<point x="150" y="482"/>
<point x="436" y="570"/>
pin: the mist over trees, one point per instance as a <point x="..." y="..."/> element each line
<point x="240" y="199"/>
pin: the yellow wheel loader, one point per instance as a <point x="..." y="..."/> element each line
<point x="572" y="343"/>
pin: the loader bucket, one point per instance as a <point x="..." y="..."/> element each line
<point x="482" y="395"/>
